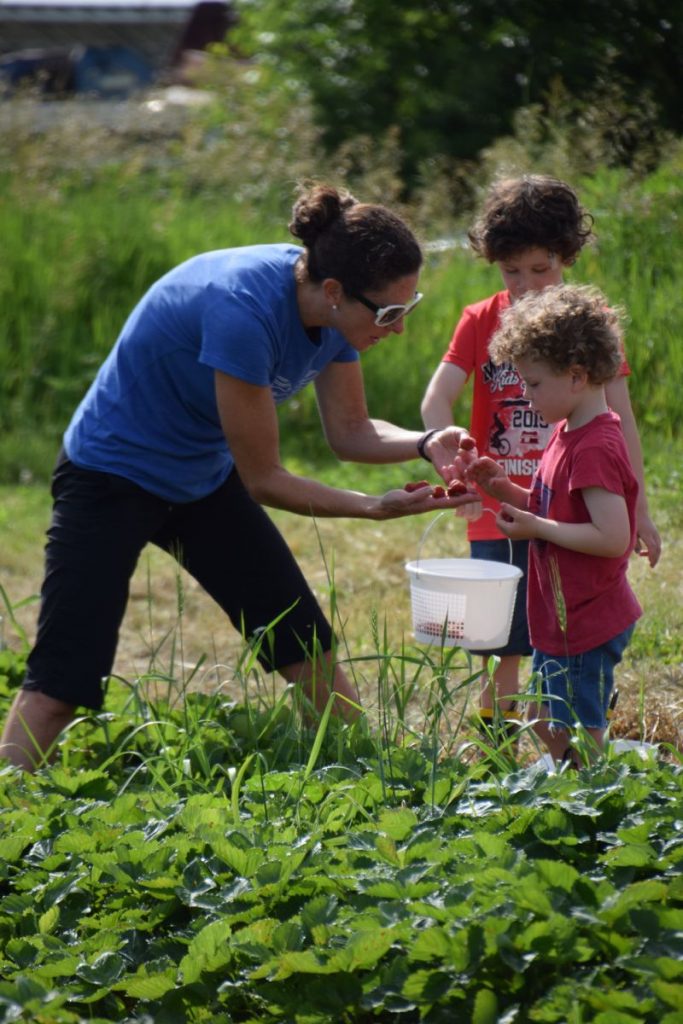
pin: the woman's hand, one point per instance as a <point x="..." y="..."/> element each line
<point x="398" y="503"/>
<point x="450" y="451"/>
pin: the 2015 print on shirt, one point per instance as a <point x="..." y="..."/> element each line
<point x="516" y="434"/>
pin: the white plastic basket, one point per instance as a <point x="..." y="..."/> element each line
<point x="462" y="602"/>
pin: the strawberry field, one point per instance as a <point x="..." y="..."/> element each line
<point x="212" y="861"/>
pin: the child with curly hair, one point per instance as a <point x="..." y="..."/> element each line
<point x="580" y="512"/>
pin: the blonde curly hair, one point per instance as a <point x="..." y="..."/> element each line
<point x="564" y="326"/>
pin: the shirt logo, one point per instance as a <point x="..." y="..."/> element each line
<point x="282" y="388"/>
<point x="499" y="377"/>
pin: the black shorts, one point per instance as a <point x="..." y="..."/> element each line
<point x="100" y="524"/>
<point x="499" y="551"/>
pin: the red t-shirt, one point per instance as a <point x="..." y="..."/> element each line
<point x="597" y="596"/>
<point x="505" y="428"/>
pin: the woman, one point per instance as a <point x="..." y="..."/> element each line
<point x="176" y="443"/>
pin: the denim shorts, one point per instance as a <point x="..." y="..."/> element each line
<point x="578" y="688"/>
<point x="499" y="551"/>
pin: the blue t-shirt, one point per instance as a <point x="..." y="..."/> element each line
<point x="151" y="413"/>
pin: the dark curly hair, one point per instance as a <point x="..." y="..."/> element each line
<point x="362" y="245"/>
<point x="534" y="211"/>
<point x="563" y="326"/>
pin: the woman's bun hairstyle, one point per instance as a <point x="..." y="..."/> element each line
<point x="316" y="209"/>
<point x="364" y="246"/>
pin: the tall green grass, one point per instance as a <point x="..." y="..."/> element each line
<point x="86" y="230"/>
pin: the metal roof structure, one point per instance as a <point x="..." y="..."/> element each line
<point x="152" y="27"/>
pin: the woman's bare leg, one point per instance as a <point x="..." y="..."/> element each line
<point x="318" y="678"/>
<point x="33" y="724"/>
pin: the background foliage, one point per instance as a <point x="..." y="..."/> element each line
<point x="451" y="74"/>
<point x="93" y="214"/>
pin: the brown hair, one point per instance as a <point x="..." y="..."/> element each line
<point x="563" y="326"/>
<point x="362" y="245"/>
<point x="534" y="211"/>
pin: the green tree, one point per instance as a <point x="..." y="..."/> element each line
<point x="449" y="74"/>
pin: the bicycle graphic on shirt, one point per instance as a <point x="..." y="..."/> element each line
<point x="524" y="420"/>
<point x="498" y="442"/>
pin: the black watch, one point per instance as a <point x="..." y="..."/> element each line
<point x="423" y="441"/>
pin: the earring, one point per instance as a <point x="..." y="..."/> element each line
<point x="335" y="308"/>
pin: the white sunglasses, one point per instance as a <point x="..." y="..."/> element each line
<point x="387" y="315"/>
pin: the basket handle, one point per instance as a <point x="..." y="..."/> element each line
<point x="428" y="530"/>
<point x="433" y="523"/>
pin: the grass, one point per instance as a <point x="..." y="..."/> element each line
<point x="356" y="569"/>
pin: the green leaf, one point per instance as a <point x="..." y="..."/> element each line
<point x="208" y="951"/>
<point x="287" y="936"/>
<point x="90" y="782"/>
<point x="430" y="944"/>
<point x="530" y="895"/>
<point x="398" y="824"/>
<point x="617" y="1017"/>
<point x="307" y="961"/>
<point x="12" y="847"/>
<point x="485" y="1007"/>
<point x="386" y="847"/>
<point x="23" y="953"/>
<point x="243" y="862"/>
<point x="554" y="827"/>
<point x="669" y="993"/>
<point x="78" y="840"/>
<point x="648" y="891"/>
<point x="22" y="991"/>
<point x="429" y="986"/>
<point x="491" y="845"/>
<point x="363" y="950"/>
<point x="631" y="856"/>
<point x="270" y="872"/>
<point x="321" y="910"/>
<point x="103" y="971"/>
<point x="48" y="921"/>
<point x="144" y="986"/>
<point x="557" y="874"/>
<point x="439" y="792"/>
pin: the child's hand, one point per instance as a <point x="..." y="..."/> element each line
<point x="486" y="473"/>
<point x="515" y="523"/>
